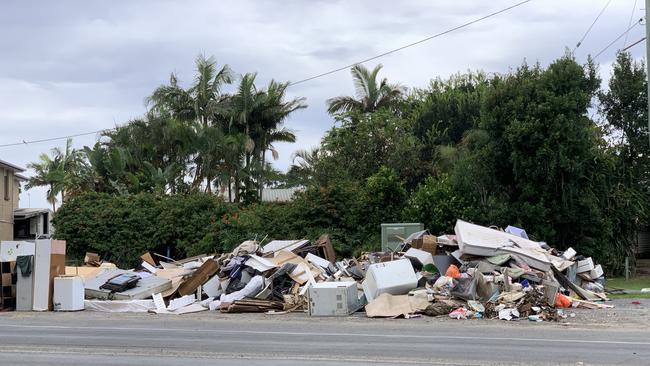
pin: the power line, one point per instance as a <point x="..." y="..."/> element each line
<point x="617" y="38"/>
<point x="633" y="44"/>
<point x="411" y="44"/>
<point x="464" y="25"/>
<point x="55" y="138"/>
<point x="592" y="25"/>
<point x="629" y="23"/>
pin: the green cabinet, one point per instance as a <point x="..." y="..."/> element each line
<point x="391" y="232"/>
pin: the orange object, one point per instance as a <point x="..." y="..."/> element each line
<point x="562" y="301"/>
<point x="453" y="271"/>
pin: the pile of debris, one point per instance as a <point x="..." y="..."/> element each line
<point x="479" y="272"/>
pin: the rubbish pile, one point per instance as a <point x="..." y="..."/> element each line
<point x="477" y="272"/>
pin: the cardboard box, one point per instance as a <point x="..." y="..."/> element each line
<point x="58" y="247"/>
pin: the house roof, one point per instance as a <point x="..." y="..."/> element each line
<point x="20" y="176"/>
<point x="25" y="213"/>
<point x="8" y="165"/>
<point x="279" y="194"/>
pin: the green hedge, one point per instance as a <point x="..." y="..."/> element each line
<point x="122" y="227"/>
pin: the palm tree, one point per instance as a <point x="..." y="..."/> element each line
<point x="200" y="107"/>
<point x="47" y="173"/>
<point x="305" y="158"/>
<point x="303" y="162"/>
<point x="200" y="101"/>
<point x="73" y="164"/>
<point x="63" y="173"/>
<point x="246" y="104"/>
<point x="371" y="94"/>
<point x="276" y="110"/>
<point x="259" y="115"/>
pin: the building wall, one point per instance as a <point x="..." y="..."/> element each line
<point x="16" y="197"/>
<point x="7" y="206"/>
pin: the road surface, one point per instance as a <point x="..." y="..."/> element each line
<point x="99" y="339"/>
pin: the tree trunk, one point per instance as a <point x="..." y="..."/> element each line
<point x="229" y="188"/>
<point x="261" y="178"/>
<point x="208" y="189"/>
<point x="53" y="199"/>
<point x="237" y="187"/>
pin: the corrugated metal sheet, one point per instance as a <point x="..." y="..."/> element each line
<point x="643" y="246"/>
<point x="279" y="194"/>
<point x="269" y="194"/>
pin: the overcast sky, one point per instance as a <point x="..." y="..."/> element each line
<point x="69" y="67"/>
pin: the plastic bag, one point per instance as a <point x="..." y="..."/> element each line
<point x="461" y="313"/>
<point x="465" y="288"/>
<point x="453" y="271"/>
<point x="562" y="301"/>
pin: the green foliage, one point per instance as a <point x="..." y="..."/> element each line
<point x="448" y="108"/>
<point x="122" y="227"/>
<point x="370" y="94"/>
<point x="519" y="148"/>
<point x="383" y="197"/>
<point x="360" y="146"/>
<point x="437" y="205"/>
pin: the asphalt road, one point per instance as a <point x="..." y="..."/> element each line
<point x="97" y="339"/>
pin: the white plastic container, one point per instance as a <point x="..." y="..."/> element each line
<point x="333" y="299"/>
<point x="68" y="293"/>
<point x="395" y="278"/>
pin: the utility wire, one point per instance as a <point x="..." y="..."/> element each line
<point x="56" y="138"/>
<point x="464" y="25"/>
<point x="629" y="23"/>
<point x="592" y="25"/>
<point x="411" y="44"/>
<point x="633" y="44"/>
<point x="617" y="38"/>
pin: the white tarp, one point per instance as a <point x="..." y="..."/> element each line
<point x="119" y="306"/>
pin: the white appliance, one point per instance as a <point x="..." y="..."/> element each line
<point x="42" y="262"/>
<point x="395" y="278"/>
<point x="334" y="299"/>
<point x="68" y="293"/>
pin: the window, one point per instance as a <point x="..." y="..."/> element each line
<point x="6" y="185"/>
<point x="46" y="224"/>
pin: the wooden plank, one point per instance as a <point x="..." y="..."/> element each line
<point x="201" y="276"/>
